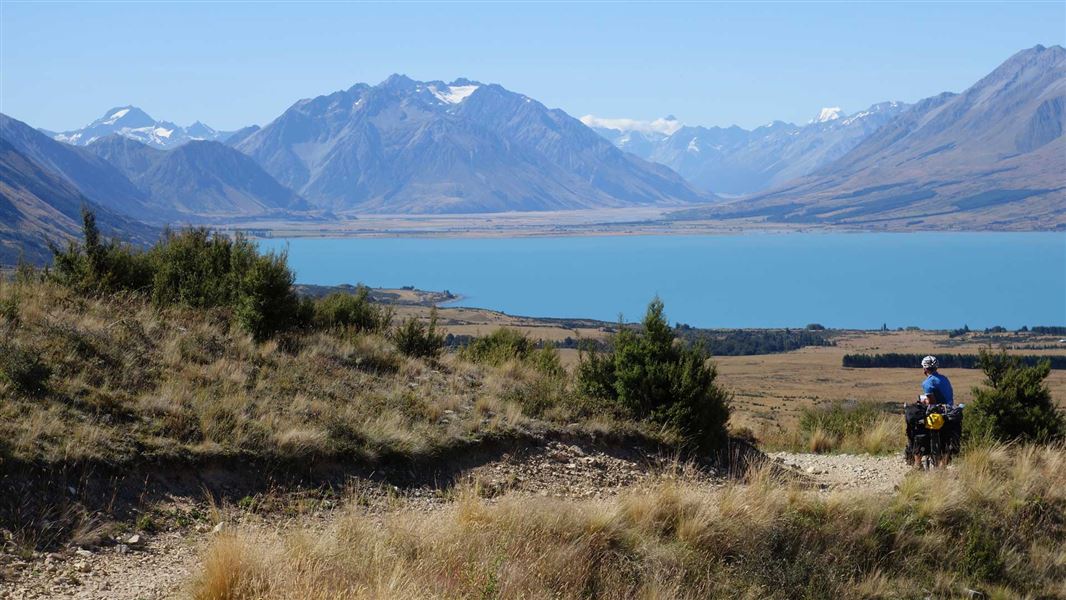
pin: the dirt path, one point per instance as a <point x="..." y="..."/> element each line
<point x="159" y="565"/>
<point x="847" y="471"/>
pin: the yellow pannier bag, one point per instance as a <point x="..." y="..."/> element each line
<point x="934" y="421"/>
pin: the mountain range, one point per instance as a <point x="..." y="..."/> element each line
<point x="135" y="124"/>
<point x="993" y="156"/>
<point x="406" y="146"/>
<point x="195" y="182"/>
<point x="736" y="161"/>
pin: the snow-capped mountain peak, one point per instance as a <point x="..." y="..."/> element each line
<point x="135" y="124"/>
<point x="827" y="114"/>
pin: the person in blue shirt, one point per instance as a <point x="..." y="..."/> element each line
<point x="936" y="389"/>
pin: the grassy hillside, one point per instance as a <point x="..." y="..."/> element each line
<point x="116" y="378"/>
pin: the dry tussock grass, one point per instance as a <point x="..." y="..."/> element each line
<point x="996" y="523"/>
<point x="876" y="434"/>
<point x="129" y="381"/>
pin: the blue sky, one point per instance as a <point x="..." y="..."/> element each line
<point x="233" y="64"/>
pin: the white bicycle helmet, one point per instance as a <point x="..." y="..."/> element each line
<point x="929" y="362"/>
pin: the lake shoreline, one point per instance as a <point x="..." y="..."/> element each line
<point x="581" y="223"/>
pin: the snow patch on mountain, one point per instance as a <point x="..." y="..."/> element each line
<point x="115" y="116"/>
<point x="454" y="94"/>
<point x="827" y="114"/>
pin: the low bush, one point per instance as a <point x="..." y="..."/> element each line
<point x="101" y="266"/>
<point x="840" y="419"/>
<point x="506" y="345"/>
<point x="1015" y="402"/>
<point x="649" y="377"/>
<point x="23" y="368"/>
<point x="498" y="347"/>
<point x="417" y="339"/>
<point x="266" y="302"/>
<point x="352" y="311"/>
<point x="9" y="307"/>
<point x="193" y="268"/>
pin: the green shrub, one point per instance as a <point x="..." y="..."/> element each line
<point x="499" y="347"/>
<point x="23" y="369"/>
<point x="354" y="311"/>
<point x="193" y="268"/>
<point x="504" y="345"/>
<point x="595" y="374"/>
<point x="649" y="377"/>
<point x="266" y="302"/>
<point x="546" y="360"/>
<point x="1016" y="403"/>
<point x="417" y="339"/>
<point x="9" y="307"/>
<point x="98" y="265"/>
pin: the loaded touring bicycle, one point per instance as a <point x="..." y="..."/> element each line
<point x="934" y="433"/>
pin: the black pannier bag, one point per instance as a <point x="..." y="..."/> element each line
<point x="952" y="430"/>
<point x="917" y="435"/>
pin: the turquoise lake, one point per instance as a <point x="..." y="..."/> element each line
<point x="929" y="280"/>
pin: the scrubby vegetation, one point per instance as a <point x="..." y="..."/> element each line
<point x="649" y="377"/>
<point x="199" y="347"/>
<point x="417" y="339"/>
<point x="353" y="312"/>
<point x="192" y="268"/>
<point x="119" y="379"/>
<point x="863" y="427"/>
<point x="1015" y="403"/>
<point x="994" y="524"/>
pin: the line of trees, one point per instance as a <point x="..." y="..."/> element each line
<point x="743" y="342"/>
<point x="1045" y="330"/>
<point x="947" y="361"/>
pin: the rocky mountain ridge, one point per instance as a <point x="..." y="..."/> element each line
<point x="406" y="146"/>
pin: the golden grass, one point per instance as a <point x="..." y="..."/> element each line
<point x="130" y="382"/>
<point x="994" y="524"/>
<point x="884" y="435"/>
